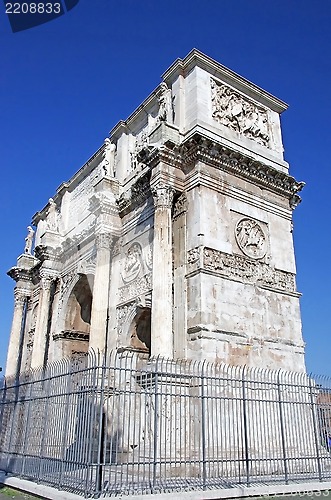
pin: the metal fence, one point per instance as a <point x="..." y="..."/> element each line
<point x="126" y="424"/>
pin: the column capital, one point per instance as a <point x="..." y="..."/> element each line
<point x="163" y="195"/>
<point x="20" y="296"/>
<point x="104" y="240"/>
<point x="47" y="276"/>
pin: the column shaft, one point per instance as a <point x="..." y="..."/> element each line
<point x="161" y="324"/>
<point x="98" y="330"/>
<point x="40" y="335"/>
<point x="14" y="347"/>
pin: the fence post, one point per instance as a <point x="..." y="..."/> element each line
<point x="282" y="430"/>
<point x="313" y="409"/>
<point x="203" y="427"/>
<point x="65" y="426"/>
<point x="156" y="411"/>
<point x="45" y="395"/>
<point x="27" y="428"/>
<point x="13" y="426"/>
<point x="245" y="426"/>
<point x="100" y="451"/>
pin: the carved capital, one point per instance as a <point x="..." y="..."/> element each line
<point x="47" y="276"/>
<point x="20" y="296"/>
<point x="163" y="196"/>
<point x="104" y="240"/>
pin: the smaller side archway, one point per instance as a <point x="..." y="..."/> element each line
<point x="140" y="330"/>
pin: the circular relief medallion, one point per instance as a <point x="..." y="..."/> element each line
<point x="251" y="238"/>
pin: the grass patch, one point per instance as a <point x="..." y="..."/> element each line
<point x="11" y="493"/>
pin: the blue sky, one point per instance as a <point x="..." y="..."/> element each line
<point x="65" y="84"/>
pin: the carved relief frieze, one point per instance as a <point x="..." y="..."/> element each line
<point x="139" y="193"/>
<point x="138" y="287"/>
<point x="193" y="258"/>
<point x="251" y="238"/>
<point x="87" y="265"/>
<point x="241" y="268"/>
<point x="123" y="313"/>
<point x="66" y="283"/>
<point x="180" y="206"/>
<point x="140" y="142"/>
<point x="70" y="243"/>
<point x="240" y="114"/>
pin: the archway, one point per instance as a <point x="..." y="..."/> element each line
<point x="140" y="331"/>
<point x="73" y="340"/>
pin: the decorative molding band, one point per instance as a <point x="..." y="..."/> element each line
<point x="139" y="287"/>
<point x="200" y="148"/>
<point x="71" y="335"/>
<point x="240" y="268"/>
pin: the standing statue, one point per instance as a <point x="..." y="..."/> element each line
<point x="29" y="241"/>
<point x="108" y="163"/>
<point x="52" y="221"/>
<point x="165" y="113"/>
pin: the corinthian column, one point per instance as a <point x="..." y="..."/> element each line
<point x="98" y="330"/>
<point x="15" y="340"/>
<point x="161" y="327"/>
<point x="40" y="335"/>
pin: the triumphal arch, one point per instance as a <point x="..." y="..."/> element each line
<point x="173" y="239"/>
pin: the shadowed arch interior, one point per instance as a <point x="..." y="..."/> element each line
<point x="78" y="315"/>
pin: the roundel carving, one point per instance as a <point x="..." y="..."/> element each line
<point x="251" y="238"/>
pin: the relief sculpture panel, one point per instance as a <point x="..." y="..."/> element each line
<point x="239" y="114"/>
<point x="241" y="268"/>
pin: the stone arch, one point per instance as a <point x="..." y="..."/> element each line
<point x="140" y="330"/>
<point x="72" y="339"/>
<point x="78" y="307"/>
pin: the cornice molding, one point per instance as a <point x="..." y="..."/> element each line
<point x="20" y="274"/>
<point x="202" y="149"/>
<point x="195" y="58"/>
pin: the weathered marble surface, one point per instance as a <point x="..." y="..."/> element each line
<point x="174" y="238"/>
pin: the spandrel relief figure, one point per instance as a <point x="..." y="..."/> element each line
<point x="29" y="241"/>
<point x="53" y="217"/>
<point x="108" y="162"/>
<point x="132" y="264"/>
<point x="165" y="113"/>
